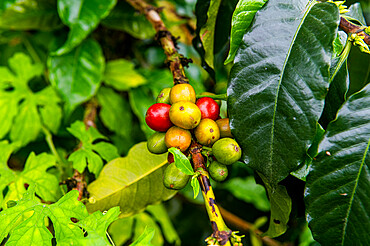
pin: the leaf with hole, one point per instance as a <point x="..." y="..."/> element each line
<point x="95" y="226"/>
<point x="25" y="222"/>
<point x="34" y="172"/>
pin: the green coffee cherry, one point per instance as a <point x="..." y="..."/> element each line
<point x="174" y="179"/>
<point x="164" y="96"/>
<point x="218" y="171"/>
<point x="226" y="151"/>
<point x="156" y="143"/>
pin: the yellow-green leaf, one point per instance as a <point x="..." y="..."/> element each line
<point x="131" y="182"/>
<point x="122" y="76"/>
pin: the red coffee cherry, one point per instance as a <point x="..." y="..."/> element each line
<point x="209" y="108"/>
<point x="157" y="117"/>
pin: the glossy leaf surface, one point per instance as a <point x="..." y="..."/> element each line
<point x="336" y="96"/>
<point x="81" y="17"/>
<point x="279" y="82"/>
<point x="29" y="14"/>
<point x="78" y="74"/>
<point x="131" y="182"/>
<point x="339" y="182"/>
<point x="241" y="20"/>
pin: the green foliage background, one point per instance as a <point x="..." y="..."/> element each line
<point x="59" y="58"/>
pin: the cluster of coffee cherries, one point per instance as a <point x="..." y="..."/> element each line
<point x="177" y="117"/>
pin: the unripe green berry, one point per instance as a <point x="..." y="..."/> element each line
<point x="156" y="143"/>
<point x="174" y="179"/>
<point x="218" y="171"/>
<point x="164" y="96"/>
<point x="226" y="151"/>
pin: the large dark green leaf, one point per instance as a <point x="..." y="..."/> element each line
<point x="278" y="84"/>
<point x="81" y="17"/>
<point x="242" y="18"/>
<point x="132" y="182"/>
<point x="337" y="193"/>
<point x="29" y="14"/>
<point x="78" y="74"/>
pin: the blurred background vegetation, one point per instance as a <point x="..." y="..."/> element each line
<point x="127" y="41"/>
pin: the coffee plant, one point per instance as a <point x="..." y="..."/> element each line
<point x="122" y="121"/>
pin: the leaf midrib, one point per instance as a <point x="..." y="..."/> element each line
<point x="353" y="192"/>
<point x="280" y="81"/>
<point x="136" y="179"/>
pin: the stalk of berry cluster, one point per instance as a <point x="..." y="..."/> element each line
<point x="176" y="62"/>
<point x="221" y="232"/>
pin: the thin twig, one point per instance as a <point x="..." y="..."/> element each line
<point x="89" y="120"/>
<point x="350" y="28"/>
<point x="175" y="61"/>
